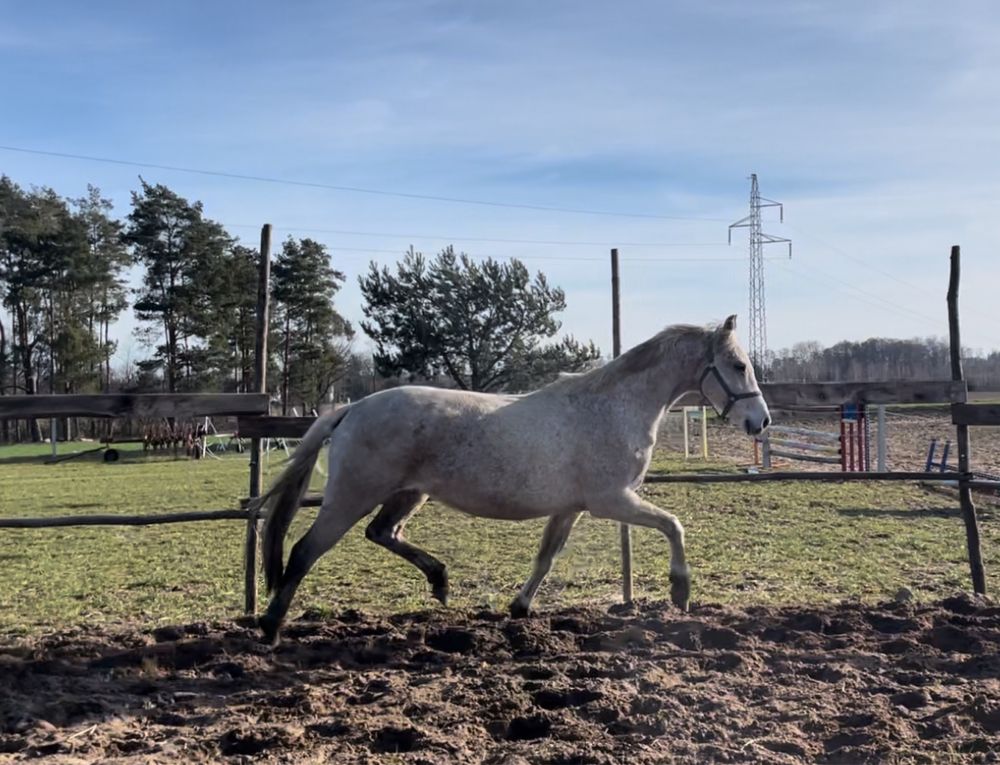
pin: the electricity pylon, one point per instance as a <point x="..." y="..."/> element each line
<point x="758" y="311"/>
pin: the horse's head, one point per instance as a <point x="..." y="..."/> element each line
<point x="728" y="382"/>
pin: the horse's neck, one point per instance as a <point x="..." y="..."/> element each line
<point x="648" y="393"/>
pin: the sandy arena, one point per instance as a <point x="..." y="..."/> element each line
<point x="850" y="683"/>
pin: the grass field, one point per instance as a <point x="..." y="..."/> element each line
<point x="746" y="544"/>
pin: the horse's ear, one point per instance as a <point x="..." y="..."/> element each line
<point x="730" y="324"/>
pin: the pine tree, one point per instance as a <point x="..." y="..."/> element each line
<point x="39" y="251"/>
<point x="107" y="258"/>
<point x="226" y="318"/>
<point x="180" y="250"/>
<point x="313" y="336"/>
<point x="480" y="323"/>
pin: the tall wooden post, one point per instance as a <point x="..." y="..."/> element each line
<point x="260" y="386"/>
<point x="616" y="349"/>
<point x="964" y="456"/>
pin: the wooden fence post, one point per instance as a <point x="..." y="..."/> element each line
<point x="964" y="456"/>
<point x="260" y="386"/>
<point x="616" y="349"/>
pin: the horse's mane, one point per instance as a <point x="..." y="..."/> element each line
<point x="647" y="354"/>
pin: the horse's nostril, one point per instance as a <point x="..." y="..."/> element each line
<point x="766" y="424"/>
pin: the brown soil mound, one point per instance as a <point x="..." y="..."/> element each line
<point x="846" y="683"/>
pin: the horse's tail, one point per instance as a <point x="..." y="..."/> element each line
<point x="282" y="500"/>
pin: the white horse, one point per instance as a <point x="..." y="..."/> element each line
<point x="581" y="444"/>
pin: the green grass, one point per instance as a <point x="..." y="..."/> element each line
<point x="747" y="544"/>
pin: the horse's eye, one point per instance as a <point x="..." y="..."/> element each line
<point x="740" y="367"/>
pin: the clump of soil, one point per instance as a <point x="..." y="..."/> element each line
<point x="849" y="683"/>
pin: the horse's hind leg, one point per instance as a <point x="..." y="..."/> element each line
<point x="386" y="529"/>
<point x="553" y="540"/>
<point x="330" y="525"/>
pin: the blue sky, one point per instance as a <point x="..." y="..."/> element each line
<point x="875" y="123"/>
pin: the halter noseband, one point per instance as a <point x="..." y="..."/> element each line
<point x="711" y="369"/>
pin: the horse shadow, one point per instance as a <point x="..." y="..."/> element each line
<point x="88" y="456"/>
<point x="983" y="511"/>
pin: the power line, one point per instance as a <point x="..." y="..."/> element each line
<point x="864" y="263"/>
<point x="452" y="239"/>
<point x="882" y="303"/>
<point x="334" y="249"/>
<point x="857" y="293"/>
<point x="863" y="295"/>
<point x="351" y="189"/>
<point x="394" y="235"/>
<point x="888" y="274"/>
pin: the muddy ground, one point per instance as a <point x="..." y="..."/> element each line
<point x="647" y="684"/>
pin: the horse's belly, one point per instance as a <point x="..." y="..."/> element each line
<point x="512" y="506"/>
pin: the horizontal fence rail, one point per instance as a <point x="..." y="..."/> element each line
<point x="803" y="475"/>
<point x="315" y="500"/>
<point x="273" y="427"/>
<point x="822" y="394"/>
<point x="122" y="520"/>
<point x="975" y="414"/>
<point x="873" y="392"/>
<point x="140" y="405"/>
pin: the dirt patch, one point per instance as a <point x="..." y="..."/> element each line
<point x="646" y="684"/>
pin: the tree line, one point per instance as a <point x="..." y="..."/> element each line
<point x="881" y="358"/>
<point x="64" y="281"/>
<point x="67" y="266"/>
<point x="69" y="270"/>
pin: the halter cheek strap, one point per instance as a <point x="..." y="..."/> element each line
<point x="732" y="397"/>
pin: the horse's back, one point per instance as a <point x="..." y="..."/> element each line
<point x="494" y="455"/>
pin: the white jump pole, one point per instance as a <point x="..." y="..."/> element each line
<point x="704" y="433"/>
<point x="684" y="417"/>
<point x="881" y="439"/>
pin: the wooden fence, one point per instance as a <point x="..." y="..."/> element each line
<point x="170" y="406"/>
<point x="138" y="405"/>
<point x="254" y="422"/>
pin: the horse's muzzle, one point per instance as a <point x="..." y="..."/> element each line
<point x="756" y="429"/>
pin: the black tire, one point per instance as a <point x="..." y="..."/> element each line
<point x="111" y="455"/>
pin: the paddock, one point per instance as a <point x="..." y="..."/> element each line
<point x="779" y="659"/>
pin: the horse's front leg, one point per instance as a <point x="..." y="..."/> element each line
<point x="628" y="507"/>
<point x="553" y="540"/>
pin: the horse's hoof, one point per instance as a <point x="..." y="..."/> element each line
<point x="440" y="593"/>
<point x="438" y="579"/>
<point x="269" y="628"/>
<point x="680" y="590"/>
<point x="518" y="610"/>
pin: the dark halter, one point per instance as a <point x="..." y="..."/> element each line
<point x="711" y="369"/>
